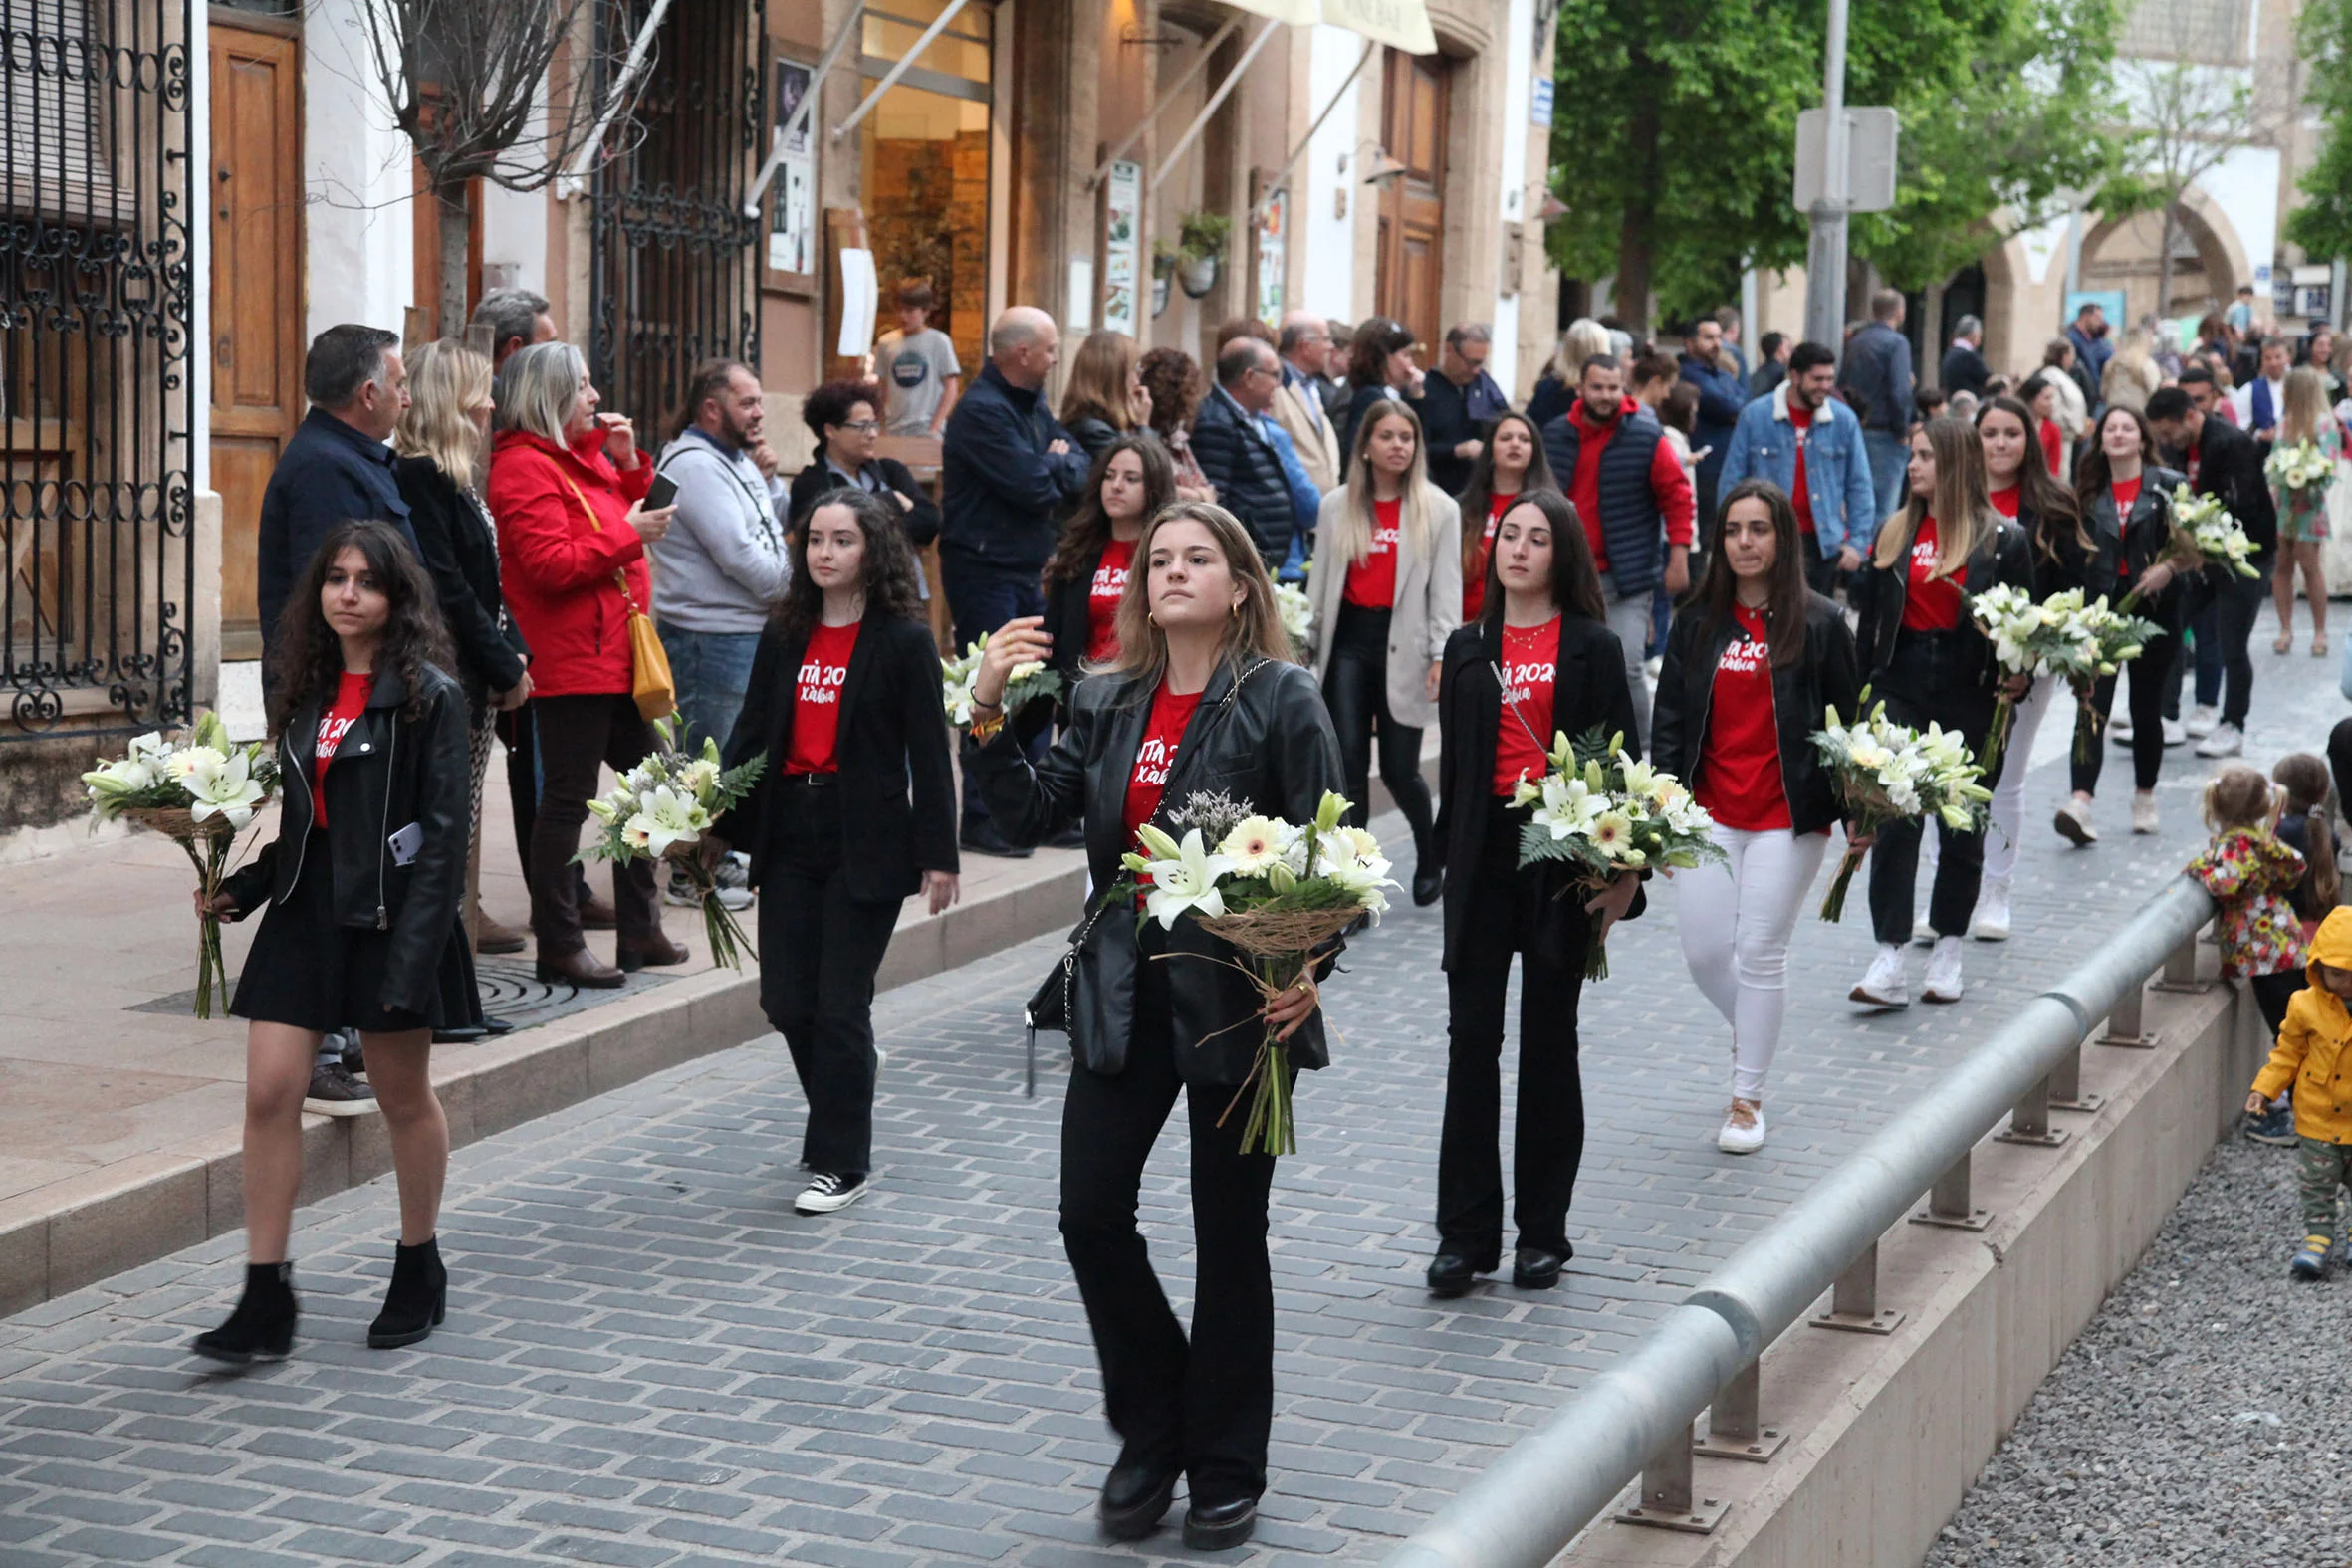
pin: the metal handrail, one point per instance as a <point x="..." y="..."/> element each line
<point x="1548" y="1486"/>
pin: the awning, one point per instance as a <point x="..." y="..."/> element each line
<point x="1400" y="24"/>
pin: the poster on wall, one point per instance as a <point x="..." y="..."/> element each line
<point x="1272" y="228"/>
<point x="791" y="234"/>
<point x="1123" y="247"/>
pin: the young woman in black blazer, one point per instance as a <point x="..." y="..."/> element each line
<point x="855" y="811"/>
<point x="2126" y="498"/>
<point x="1924" y="656"/>
<point x="1204" y="699"/>
<point x="1753" y="663"/>
<point x="358" y="893"/>
<point x="1087" y="575"/>
<point x="1541" y="661"/>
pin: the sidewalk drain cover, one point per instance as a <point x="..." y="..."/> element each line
<point x="509" y="989"/>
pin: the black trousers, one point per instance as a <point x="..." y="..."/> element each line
<point x="1207" y="1402"/>
<point x="521" y="737"/>
<point x="1549" y="1144"/>
<point x="819" y="951"/>
<point x="2222" y="620"/>
<point x="575" y="735"/>
<point x="1931" y="678"/>
<point x="2146" y="677"/>
<point x="2340" y="758"/>
<point x="1356" y="689"/>
<point x="1820" y="570"/>
<point x="2273" y="992"/>
<point x="979" y="599"/>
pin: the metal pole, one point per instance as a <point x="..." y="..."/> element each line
<point x="1948" y="1202"/>
<point x="1160" y="101"/>
<point x="1281" y="176"/>
<point x="1668" y="1500"/>
<point x="2126" y="1023"/>
<point x="2066" y="1085"/>
<point x="624" y="92"/>
<point x="1853" y="1299"/>
<point x="1169" y="159"/>
<point x="1825" y="255"/>
<point x="801" y="114"/>
<point x="949" y="13"/>
<point x="1735" y="1422"/>
<point x="2030" y="1119"/>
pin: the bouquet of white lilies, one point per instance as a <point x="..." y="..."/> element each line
<point x="1027" y="683"/>
<point x="2204" y="533"/>
<point x="1886" y="773"/>
<point x="1276" y="890"/>
<point x="199" y="792"/>
<point x="2071" y="639"/>
<point x="1605" y="814"/>
<point x="1298" y="613"/>
<point x="2299" y="465"/>
<point x="659" y="810"/>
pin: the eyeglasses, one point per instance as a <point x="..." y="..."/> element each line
<point x="861" y="426"/>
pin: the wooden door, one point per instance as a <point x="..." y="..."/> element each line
<point x="257" y="295"/>
<point x="1410" y="269"/>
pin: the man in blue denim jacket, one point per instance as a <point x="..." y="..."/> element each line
<point x="1810" y="445"/>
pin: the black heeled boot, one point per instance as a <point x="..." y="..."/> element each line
<point x="418" y="1298"/>
<point x="262" y="1327"/>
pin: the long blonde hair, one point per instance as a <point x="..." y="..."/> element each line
<point x="1101" y="378"/>
<point x="1255" y="628"/>
<point x="1959" y="503"/>
<point x="1351" y="533"/>
<point x="446" y="378"/>
<point x="1583" y="338"/>
<point x="2305" y="414"/>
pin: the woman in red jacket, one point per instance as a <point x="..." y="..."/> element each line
<point x="567" y="488"/>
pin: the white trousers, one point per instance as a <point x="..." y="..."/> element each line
<point x="1736" y="920"/>
<point x="2007" y="810"/>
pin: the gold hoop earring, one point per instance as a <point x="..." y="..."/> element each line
<point x="1151" y="618"/>
<point x="1237" y="609"/>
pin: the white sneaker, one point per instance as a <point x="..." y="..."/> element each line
<point x="1943" y="981"/>
<point x="2225" y="740"/>
<point x="2144" y="813"/>
<point x="1992" y="920"/>
<point x="2175" y="732"/>
<point x="2074" y="822"/>
<point x="2119" y="728"/>
<point x="828" y="1191"/>
<point x="1736" y="1139"/>
<point x="1883" y="986"/>
<point x="2201" y="721"/>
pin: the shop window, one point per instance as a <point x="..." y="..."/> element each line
<point x="924" y="155"/>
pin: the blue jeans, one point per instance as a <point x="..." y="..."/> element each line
<point x="713" y="669"/>
<point x="1890" y="459"/>
<point x="979" y="599"/>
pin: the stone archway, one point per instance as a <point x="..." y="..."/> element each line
<point x="2120" y="252"/>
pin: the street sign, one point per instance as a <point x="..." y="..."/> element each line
<point x="1870" y="159"/>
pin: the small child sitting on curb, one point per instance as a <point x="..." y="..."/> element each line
<point x="2314" y="1047"/>
<point x="2252" y="877"/>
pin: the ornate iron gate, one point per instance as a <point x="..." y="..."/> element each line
<point x="671" y="255"/>
<point x="96" y="405"/>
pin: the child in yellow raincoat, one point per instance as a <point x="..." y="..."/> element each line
<point x="2314" y="1053"/>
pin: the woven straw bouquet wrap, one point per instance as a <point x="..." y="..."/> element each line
<point x="1275" y="932"/>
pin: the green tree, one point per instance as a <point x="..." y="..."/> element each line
<point x="2322" y="225"/>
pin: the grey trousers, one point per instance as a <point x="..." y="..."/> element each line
<point x="1629" y="618"/>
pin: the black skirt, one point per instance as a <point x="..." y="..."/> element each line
<point x="307" y="972"/>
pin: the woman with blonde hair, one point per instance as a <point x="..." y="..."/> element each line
<point x="1924" y="654"/>
<point x="2132" y="373"/>
<point x="1556" y="389"/>
<point x="2302" y="514"/>
<point x="1203" y="697"/>
<point x="1106" y="398"/>
<point x="1387" y="593"/>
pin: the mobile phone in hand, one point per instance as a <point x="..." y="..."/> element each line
<point x="664" y="491"/>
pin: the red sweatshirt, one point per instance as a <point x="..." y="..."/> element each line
<point x="1676" y="503"/>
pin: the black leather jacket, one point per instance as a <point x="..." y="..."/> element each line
<point x="1261" y="736"/>
<point x="2001" y="557"/>
<point x="1826" y="677"/>
<point x="2137" y="541"/>
<point x="389" y="771"/>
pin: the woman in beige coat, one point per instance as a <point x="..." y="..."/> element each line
<point x="1387" y="593"/>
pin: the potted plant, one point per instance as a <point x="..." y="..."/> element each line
<point x="1163" y="268"/>
<point x="1200" y="248"/>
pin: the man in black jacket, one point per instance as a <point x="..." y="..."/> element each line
<point x="2220" y="460"/>
<point x="1964" y="368"/>
<point x="1230" y="442"/>
<point x="1456" y="405"/>
<point x="1009" y="472"/>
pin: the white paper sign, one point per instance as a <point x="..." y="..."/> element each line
<point x="859" y="297"/>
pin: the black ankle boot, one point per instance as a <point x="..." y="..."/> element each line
<point x="418" y="1298"/>
<point x="262" y="1327"/>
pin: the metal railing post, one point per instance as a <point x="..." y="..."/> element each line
<point x="2030" y="1120"/>
<point x="1667" y="1499"/>
<point x="1735" y="1422"/>
<point x="2180" y="969"/>
<point x="2127" y="1022"/>
<point x="1853" y="1300"/>
<point x="1948" y="1201"/>
<point x="2066" y="1092"/>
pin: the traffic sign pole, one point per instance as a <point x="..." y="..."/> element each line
<point x="1825" y="256"/>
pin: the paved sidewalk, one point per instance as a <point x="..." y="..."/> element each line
<point x="651" y="1360"/>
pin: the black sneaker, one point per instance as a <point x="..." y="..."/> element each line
<point x="982" y="838"/>
<point x="355" y="1057"/>
<point x="828" y="1191"/>
<point x="2276" y="1127"/>
<point x="331" y="1081"/>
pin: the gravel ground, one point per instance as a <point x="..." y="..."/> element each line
<point x="2202" y="1418"/>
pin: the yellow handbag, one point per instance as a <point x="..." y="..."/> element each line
<point x="650" y="682"/>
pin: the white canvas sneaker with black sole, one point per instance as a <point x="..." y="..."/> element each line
<point x="828" y="1191"/>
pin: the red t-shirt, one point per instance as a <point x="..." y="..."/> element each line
<point x="2127" y="496"/>
<point x="816" y="700"/>
<point x="1103" y="599"/>
<point x="1372" y="581"/>
<point x="351" y="700"/>
<point x="2005" y="500"/>
<point x="1474" y="582"/>
<point x="1531" y="666"/>
<point x="1802" y="419"/>
<point x="1739" y="764"/>
<point x="1933" y="602"/>
<point x="2053" y="447"/>
<point x="1164" y="732"/>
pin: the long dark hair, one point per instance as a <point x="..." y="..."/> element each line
<point x="1477" y="496"/>
<point x="2039" y="492"/>
<point x="2093" y="477"/>
<point x="305" y="660"/>
<point x="1785" y="608"/>
<point x="1575" y="580"/>
<point x="1089" y="528"/>
<point x="889" y="564"/>
<point x="2310" y="786"/>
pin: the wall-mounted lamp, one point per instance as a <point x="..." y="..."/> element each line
<point x="1553" y="208"/>
<point x="1384" y="171"/>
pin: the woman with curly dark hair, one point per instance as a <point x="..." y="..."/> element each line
<point x="845" y="418"/>
<point x="1176" y="387"/>
<point x="359" y="932"/>
<point x="1088" y="576"/>
<point x="844" y="702"/>
<point x="1380" y="366"/>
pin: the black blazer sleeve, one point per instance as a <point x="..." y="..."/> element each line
<point x="753" y="722"/>
<point x="435" y="513"/>
<point x="436" y="882"/>
<point x="1453" y="740"/>
<point x="921" y="519"/>
<point x="923" y="719"/>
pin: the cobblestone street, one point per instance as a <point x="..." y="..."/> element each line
<point x="649" y="1359"/>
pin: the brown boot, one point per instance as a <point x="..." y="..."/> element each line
<point x="598" y="914"/>
<point x="580" y="968"/>
<point x="656" y="949"/>
<point x="491" y="936"/>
